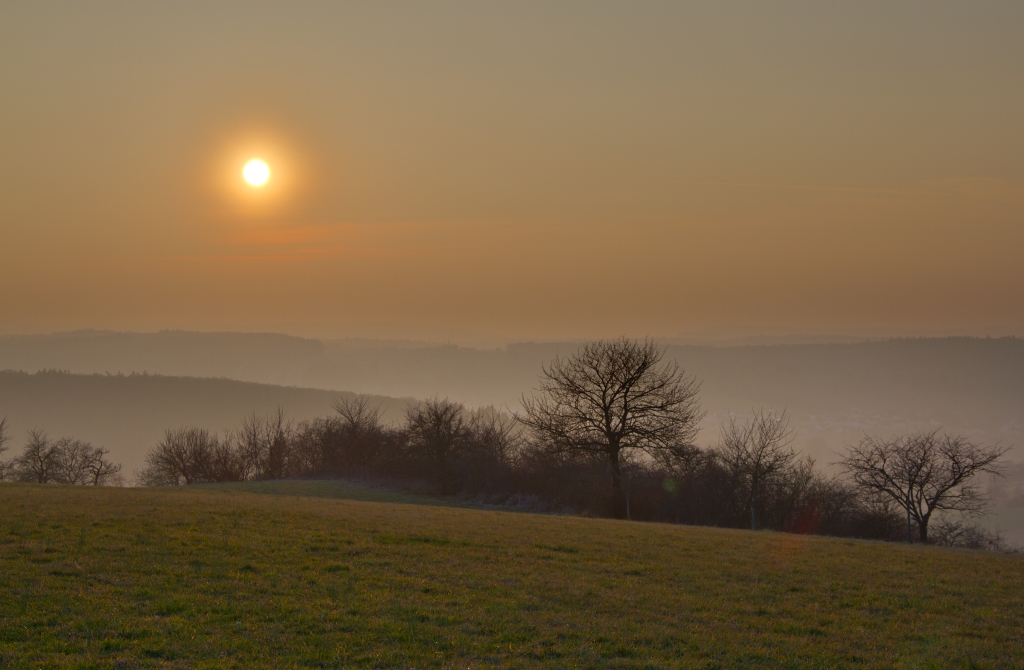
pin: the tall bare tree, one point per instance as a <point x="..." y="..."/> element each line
<point x="262" y="445"/>
<point x="4" y="466"/>
<point x="756" y="453"/>
<point x="923" y="473"/>
<point x="613" y="398"/>
<point x="438" y="431"/>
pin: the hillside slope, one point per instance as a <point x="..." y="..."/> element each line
<point x="186" y="578"/>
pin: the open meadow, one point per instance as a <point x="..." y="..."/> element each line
<point x="204" y="578"/>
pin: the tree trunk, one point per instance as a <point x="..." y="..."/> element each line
<point x="618" y="495"/>
<point x="922" y="530"/>
<point x="753" y="498"/>
<point x="442" y="465"/>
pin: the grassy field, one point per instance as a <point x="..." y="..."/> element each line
<point x="329" y="488"/>
<point x="212" y="578"/>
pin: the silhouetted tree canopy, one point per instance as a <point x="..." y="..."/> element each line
<point x="189" y="456"/>
<point x="756" y="454"/>
<point x="3" y="447"/>
<point x="438" y="433"/>
<point x="64" y="461"/>
<point x="613" y="397"/>
<point x="923" y="473"/>
<point x="613" y="405"/>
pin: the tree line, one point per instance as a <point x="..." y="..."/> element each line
<point x="62" y="461"/>
<point x="610" y="431"/>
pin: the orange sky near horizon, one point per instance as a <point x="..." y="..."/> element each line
<point x="505" y="171"/>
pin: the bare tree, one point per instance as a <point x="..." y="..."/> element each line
<point x="262" y="445"/>
<point x="4" y="466"/>
<point x="3" y="435"/>
<point x="102" y="472"/>
<point x="923" y="473"/>
<point x="363" y="436"/>
<point x="184" y="456"/>
<point x="78" y="462"/>
<point x="612" y="398"/>
<point x="496" y="434"/>
<point x="64" y="461"/>
<point x="437" y="431"/>
<point x="756" y="453"/>
<point x="357" y="413"/>
<point x="71" y="459"/>
<point x="224" y="463"/>
<point x="38" y="461"/>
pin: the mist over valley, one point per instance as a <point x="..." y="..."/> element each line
<point x="834" y="392"/>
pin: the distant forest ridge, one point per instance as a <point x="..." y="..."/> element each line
<point x="835" y="392"/>
<point x="498" y="376"/>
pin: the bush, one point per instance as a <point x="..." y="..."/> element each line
<point x="484" y="456"/>
<point x="952" y="533"/>
<point x="189" y="456"/>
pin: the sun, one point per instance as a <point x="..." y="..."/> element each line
<point x="256" y="173"/>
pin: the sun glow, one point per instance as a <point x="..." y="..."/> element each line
<point x="256" y="173"/>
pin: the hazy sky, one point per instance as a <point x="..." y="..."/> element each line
<point x="517" y="170"/>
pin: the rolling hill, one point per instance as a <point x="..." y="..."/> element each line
<point x="99" y="577"/>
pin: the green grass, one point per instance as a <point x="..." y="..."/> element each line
<point x="204" y="578"/>
<point x="328" y="488"/>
